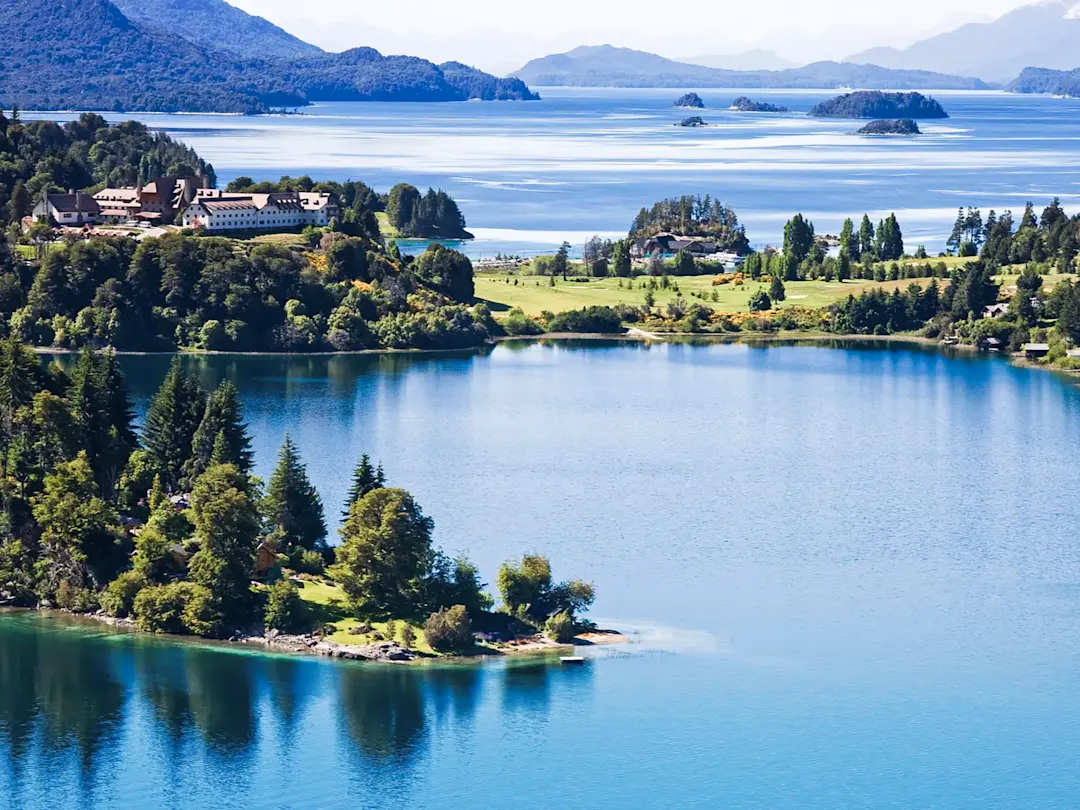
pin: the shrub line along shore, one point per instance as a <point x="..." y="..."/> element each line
<point x="389" y="652"/>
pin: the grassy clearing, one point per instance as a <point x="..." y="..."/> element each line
<point x="287" y="239"/>
<point x="326" y="601"/>
<point x="385" y="228"/>
<point x="533" y="294"/>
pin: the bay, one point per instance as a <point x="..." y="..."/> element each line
<point x="851" y="577"/>
<point x="584" y="160"/>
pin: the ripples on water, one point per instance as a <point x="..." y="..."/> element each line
<point x="585" y="160"/>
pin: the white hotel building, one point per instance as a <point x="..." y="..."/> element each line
<point x="217" y="211"/>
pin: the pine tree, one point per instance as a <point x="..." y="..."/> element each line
<point x="365" y="479"/>
<point x="292" y="506"/>
<point x="102" y="412"/>
<point x="222" y="416"/>
<point x="776" y="290"/>
<point x="847" y="238"/>
<point x="866" y="236"/>
<point x="171" y="422"/>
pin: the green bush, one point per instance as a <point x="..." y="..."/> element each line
<point x="284" y="608"/>
<point x="408" y="636"/>
<point x="602" y="320"/>
<point x="75" y="599"/>
<point x="517" y="323"/>
<point x="310" y="561"/>
<point x="179" y="607"/>
<point x="760" y="302"/>
<point x="119" y="596"/>
<point x="449" y="630"/>
<point x="560" y="628"/>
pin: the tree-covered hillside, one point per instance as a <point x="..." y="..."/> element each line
<point x="41" y="156"/>
<point x="1044" y="80"/>
<point x="86" y="55"/>
<point x="216" y="25"/>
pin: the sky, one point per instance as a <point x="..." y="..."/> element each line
<point x="500" y="36"/>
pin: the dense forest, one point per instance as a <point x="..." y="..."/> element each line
<point x="40" y="156"/>
<point x="693" y="216"/>
<point x="875" y="104"/>
<point x="164" y="525"/>
<point x="341" y="289"/>
<point x="86" y="55"/>
<point x="342" y="293"/>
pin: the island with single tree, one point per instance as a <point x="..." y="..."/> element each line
<point x="890" y="126"/>
<point x="689" y="101"/>
<point x="692" y="121"/>
<point x="745" y="104"/>
<point x="875" y="104"/>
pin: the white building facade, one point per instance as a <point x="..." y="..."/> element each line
<point x="217" y="211"/>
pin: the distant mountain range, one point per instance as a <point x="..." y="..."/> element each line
<point x="608" y="66"/>
<point x="754" y="59"/>
<point x="1045" y="35"/>
<point x="87" y="55"/>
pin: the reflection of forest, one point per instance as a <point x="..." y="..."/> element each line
<point x="71" y="697"/>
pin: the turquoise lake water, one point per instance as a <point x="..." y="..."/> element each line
<point x="851" y="577"/>
<point x="584" y="160"/>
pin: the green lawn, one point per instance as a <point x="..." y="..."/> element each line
<point x="385" y="228"/>
<point x="533" y="294"/>
<point x="326" y="601"/>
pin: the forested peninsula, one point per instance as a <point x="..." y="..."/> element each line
<point x="123" y="65"/>
<point x="166" y="528"/>
<point x="338" y="288"/>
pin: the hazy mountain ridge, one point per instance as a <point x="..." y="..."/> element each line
<point x="216" y="25"/>
<point x="1041" y="35"/>
<point x="608" y="66"/>
<point x="85" y="54"/>
<point x="1044" y="80"/>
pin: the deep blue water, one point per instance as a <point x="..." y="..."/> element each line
<point x="851" y="575"/>
<point x="583" y="161"/>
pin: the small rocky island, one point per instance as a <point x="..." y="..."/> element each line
<point x="744" y="104"/>
<point x="692" y="121"/>
<point x="689" y="100"/>
<point x="890" y="126"/>
<point x="875" y="104"/>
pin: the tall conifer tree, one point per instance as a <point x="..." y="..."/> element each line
<point x="171" y="422"/>
<point x="292" y="506"/>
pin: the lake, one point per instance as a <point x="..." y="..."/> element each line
<point x="850" y="574"/>
<point x="583" y="160"/>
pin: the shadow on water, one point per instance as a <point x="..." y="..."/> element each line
<point x="62" y="696"/>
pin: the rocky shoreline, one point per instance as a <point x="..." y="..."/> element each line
<point x="380" y="651"/>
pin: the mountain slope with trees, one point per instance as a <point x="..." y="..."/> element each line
<point x="216" y="25"/>
<point x="1045" y="80"/>
<point x="86" y="55"/>
<point x="608" y="66"/>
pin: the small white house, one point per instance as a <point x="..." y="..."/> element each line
<point x="73" y="209"/>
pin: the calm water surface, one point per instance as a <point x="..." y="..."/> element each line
<point x="852" y="576"/>
<point x="584" y="160"/>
